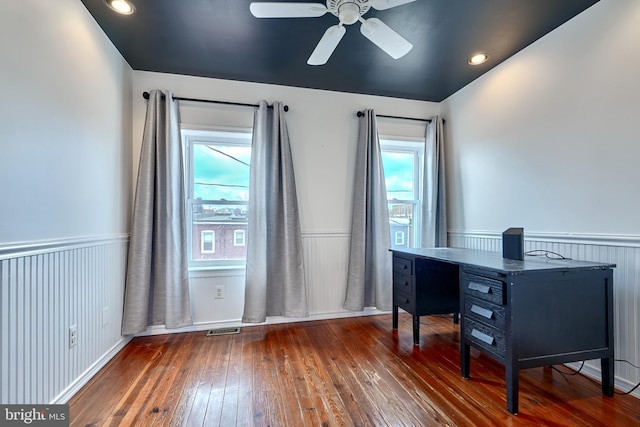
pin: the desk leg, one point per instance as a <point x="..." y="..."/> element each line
<point x="394" y="317"/>
<point x="416" y="330"/>
<point x="512" y="388"/>
<point x="606" y="365"/>
<point x="464" y="359"/>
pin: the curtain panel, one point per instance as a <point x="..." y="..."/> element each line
<point x="157" y="281"/>
<point x="434" y="205"/>
<point x="369" y="278"/>
<point x="275" y="281"/>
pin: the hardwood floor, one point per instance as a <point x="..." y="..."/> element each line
<point x="340" y="372"/>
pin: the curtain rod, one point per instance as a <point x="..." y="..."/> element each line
<point x="145" y="95"/>
<point x="360" y="114"/>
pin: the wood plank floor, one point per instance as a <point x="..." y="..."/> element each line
<point x="340" y="372"/>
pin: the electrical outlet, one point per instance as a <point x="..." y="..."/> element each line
<point x="73" y="336"/>
<point x="219" y="292"/>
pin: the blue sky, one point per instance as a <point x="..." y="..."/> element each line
<point x="398" y="172"/>
<point x="219" y="176"/>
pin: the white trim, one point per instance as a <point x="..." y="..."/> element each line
<point x="404" y="143"/>
<point x="161" y="330"/>
<point x="594" y="373"/>
<point x="205" y="130"/>
<point x="87" y="375"/>
<point x="618" y="240"/>
<point x="326" y="233"/>
<point x="212" y="272"/>
<point x="21" y="249"/>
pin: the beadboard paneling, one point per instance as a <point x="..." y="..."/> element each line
<point x="326" y="263"/>
<point x="326" y="258"/>
<point x="45" y="288"/>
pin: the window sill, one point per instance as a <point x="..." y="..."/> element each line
<point x="217" y="271"/>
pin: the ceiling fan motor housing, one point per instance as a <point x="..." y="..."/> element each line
<point x="348" y="11"/>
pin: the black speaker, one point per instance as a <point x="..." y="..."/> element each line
<point x="513" y="243"/>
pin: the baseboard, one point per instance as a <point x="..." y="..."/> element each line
<point x="160" y="330"/>
<point x="621" y="385"/>
<point x="83" y="379"/>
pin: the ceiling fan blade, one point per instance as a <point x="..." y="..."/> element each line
<point x="287" y="10"/>
<point x="388" y="4"/>
<point x="327" y="45"/>
<point x="385" y="38"/>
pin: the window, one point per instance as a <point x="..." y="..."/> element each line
<point x="207" y="241"/>
<point x="217" y="180"/>
<point x="402" y="163"/>
<point x="238" y="237"/>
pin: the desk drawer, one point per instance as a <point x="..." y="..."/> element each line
<point x="485" y="312"/>
<point x="483" y="288"/>
<point x="404" y="283"/>
<point x="403" y="265"/>
<point x="404" y="301"/>
<point x="484" y="337"/>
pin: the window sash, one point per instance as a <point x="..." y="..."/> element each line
<point x="196" y="207"/>
<point x="208" y="241"/>
<point x="412" y="220"/>
<point x="239" y="237"/>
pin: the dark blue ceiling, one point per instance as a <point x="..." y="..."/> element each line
<point x="221" y="39"/>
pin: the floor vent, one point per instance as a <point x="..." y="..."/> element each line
<point x="222" y="331"/>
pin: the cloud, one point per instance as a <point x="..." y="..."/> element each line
<point x="398" y="174"/>
<point x="221" y="174"/>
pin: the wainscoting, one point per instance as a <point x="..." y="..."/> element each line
<point x="624" y="251"/>
<point x="45" y="289"/>
<point x="326" y="258"/>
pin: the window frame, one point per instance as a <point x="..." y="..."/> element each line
<point x="214" y="135"/>
<point x="213" y="241"/>
<point x="237" y="233"/>
<point x="414" y="146"/>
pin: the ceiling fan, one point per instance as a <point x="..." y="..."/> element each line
<point x="348" y="12"/>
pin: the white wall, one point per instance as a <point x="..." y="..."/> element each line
<point x="323" y="129"/>
<point x="65" y="180"/>
<point x="65" y="161"/>
<point x="549" y="139"/>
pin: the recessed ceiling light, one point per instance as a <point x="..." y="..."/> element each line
<point x="123" y="7"/>
<point x="478" y="58"/>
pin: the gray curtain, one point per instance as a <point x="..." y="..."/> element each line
<point x="369" y="277"/>
<point x="434" y="202"/>
<point x="157" y="283"/>
<point x="275" y="283"/>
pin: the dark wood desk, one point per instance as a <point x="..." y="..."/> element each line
<point x="524" y="314"/>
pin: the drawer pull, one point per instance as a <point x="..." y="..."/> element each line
<point x="482" y="337"/>
<point x="479" y="287"/>
<point x="406" y="301"/>
<point x="482" y="311"/>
